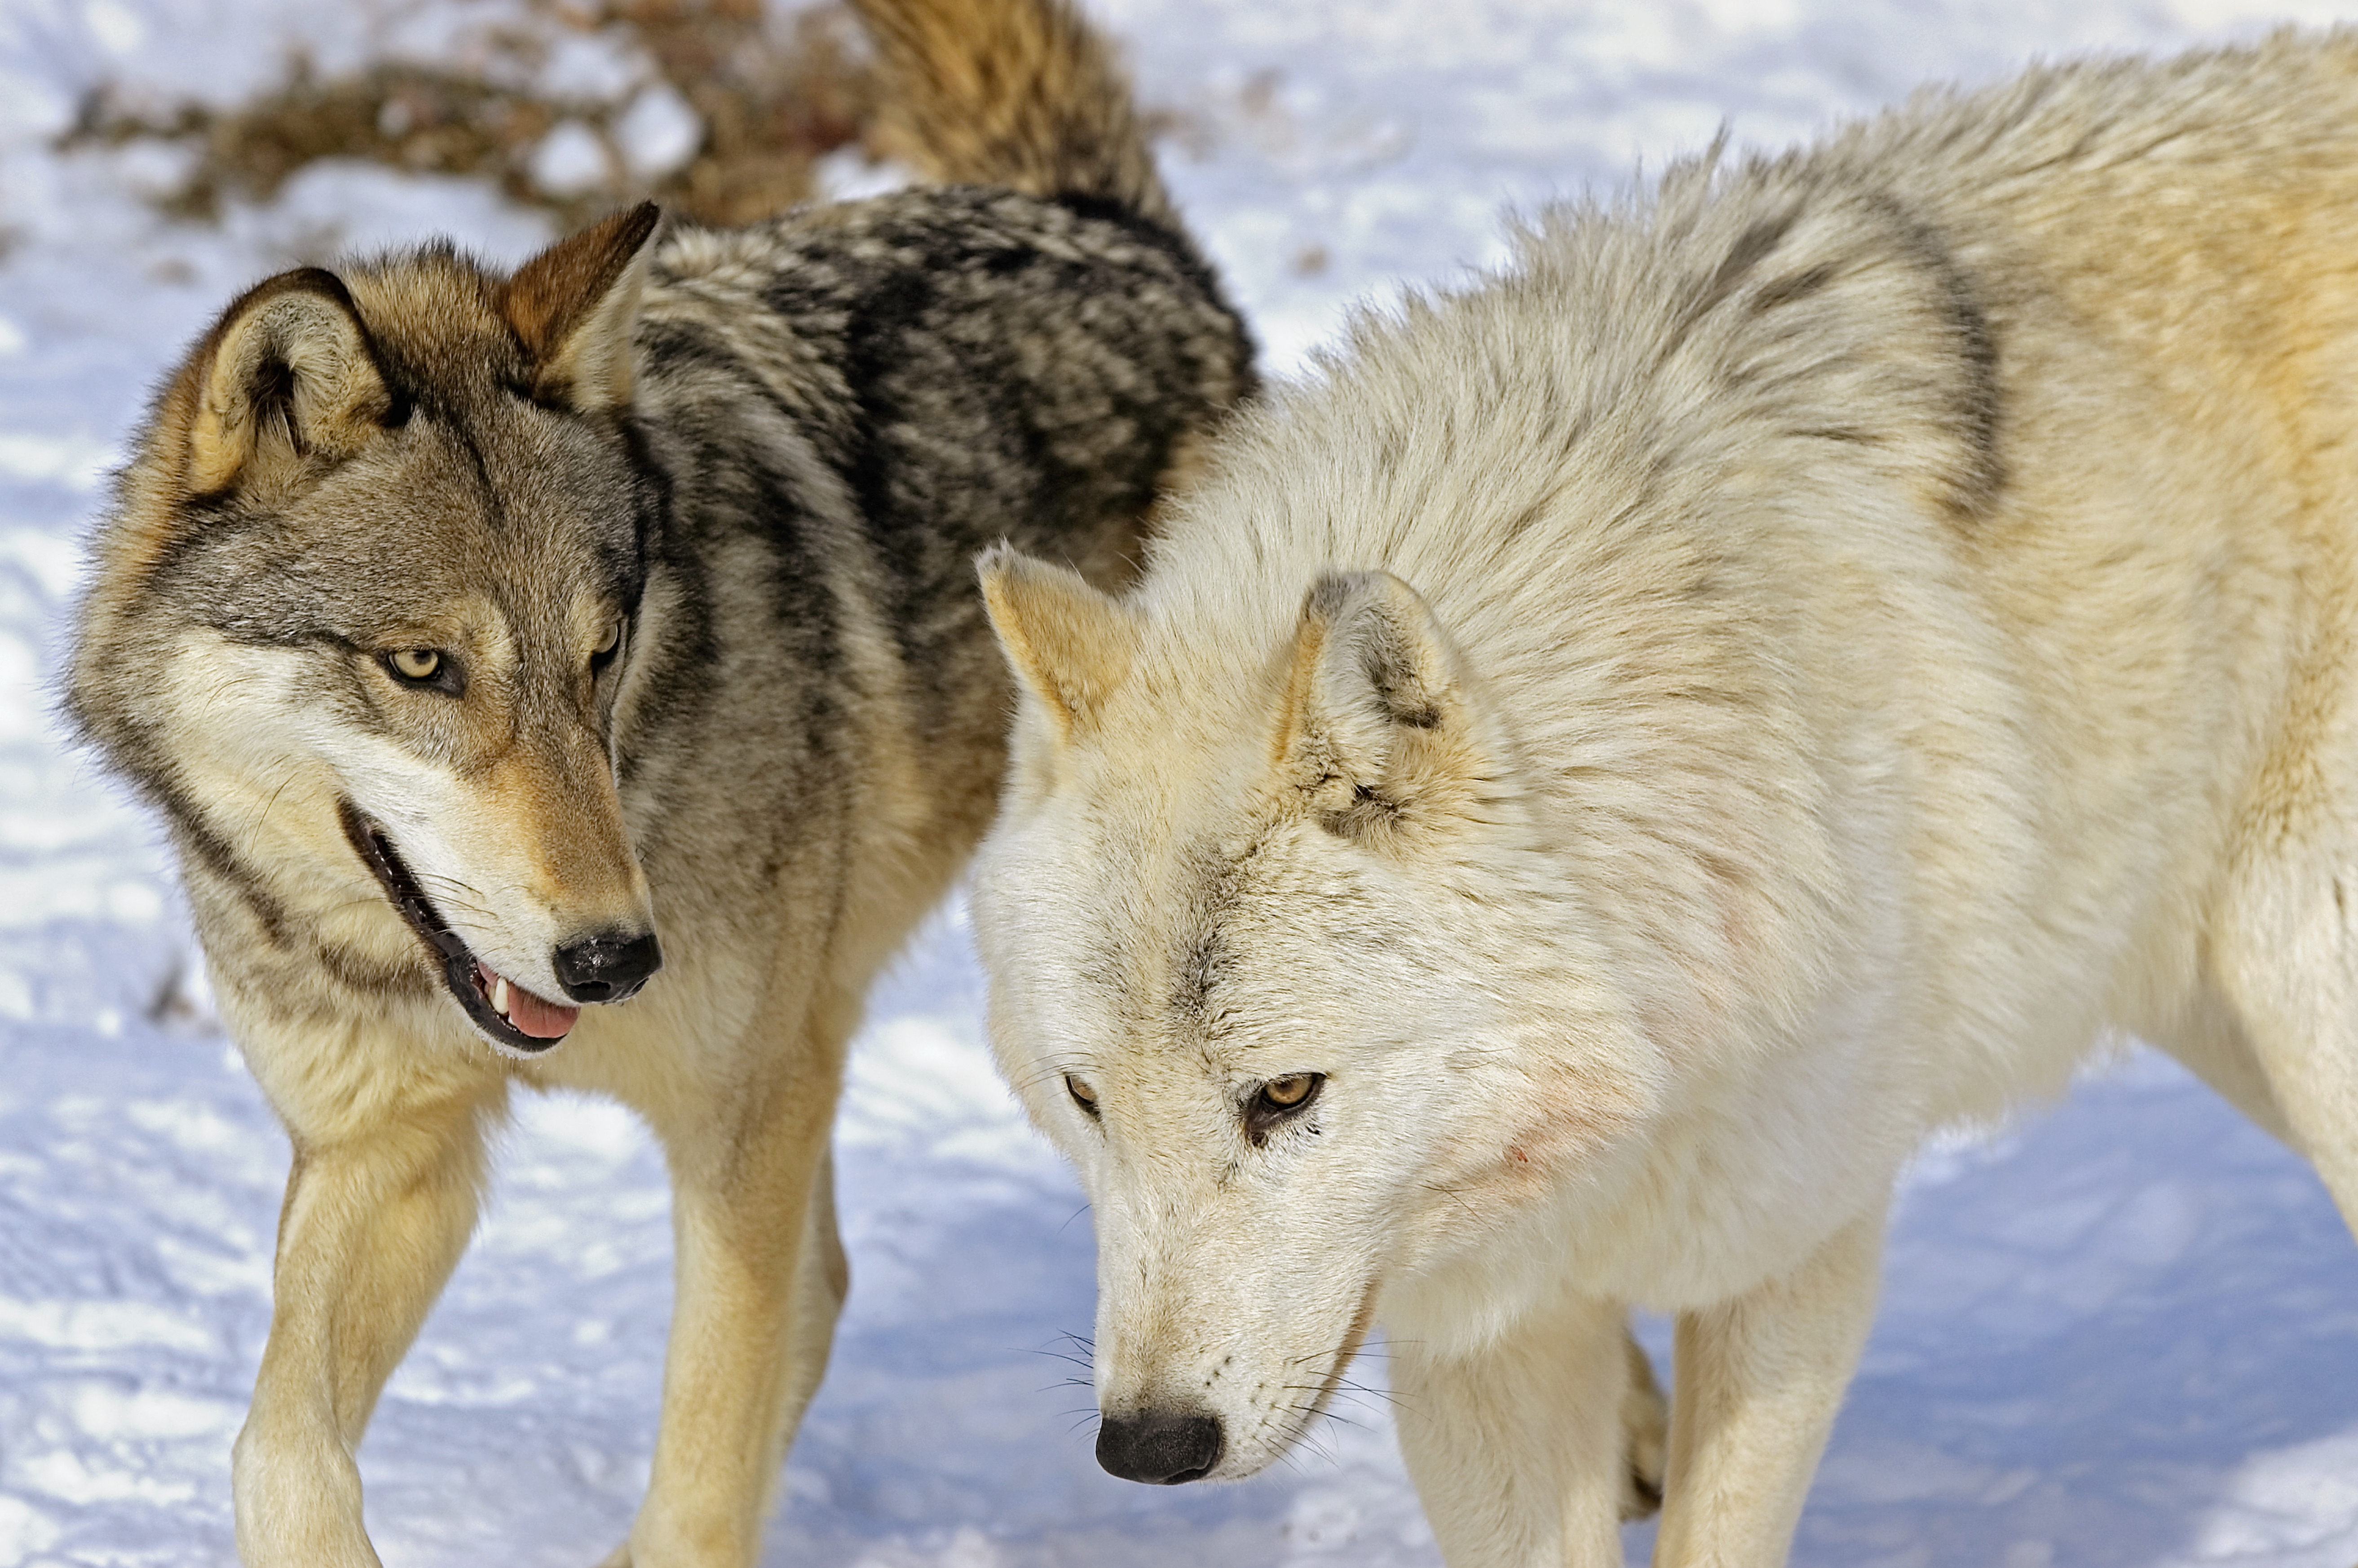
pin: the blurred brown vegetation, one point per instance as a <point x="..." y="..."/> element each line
<point x="774" y="93"/>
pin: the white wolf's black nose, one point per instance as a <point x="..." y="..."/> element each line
<point x="1159" y="1449"/>
<point x="607" y="965"/>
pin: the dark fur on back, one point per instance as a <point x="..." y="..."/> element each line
<point x="853" y="399"/>
<point x="968" y="365"/>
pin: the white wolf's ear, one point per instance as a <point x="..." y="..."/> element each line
<point x="575" y="306"/>
<point x="1069" y="645"/>
<point x="286" y="375"/>
<point x="1378" y="723"/>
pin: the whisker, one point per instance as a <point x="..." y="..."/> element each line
<point x="1082" y="1361"/>
<point x="264" y="814"/>
<point x="1452" y="1194"/>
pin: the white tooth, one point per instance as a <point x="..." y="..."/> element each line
<point x="500" y="996"/>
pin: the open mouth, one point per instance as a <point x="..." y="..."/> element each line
<point x="508" y="1015"/>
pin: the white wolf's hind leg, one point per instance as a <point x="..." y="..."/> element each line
<point x="1518" y="1450"/>
<point x="2285" y="958"/>
<point x="2210" y="1041"/>
<point x="374" y="1223"/>
<point x="1757" y="1382"/>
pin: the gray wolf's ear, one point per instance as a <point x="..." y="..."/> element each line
<point x="1377" y="722"/>
<point x="287" y="375"/>
<point x="1069" y="645"/>
<point x="575" y="306"/>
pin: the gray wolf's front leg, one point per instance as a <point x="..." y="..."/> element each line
<point x="375" y="1219"/>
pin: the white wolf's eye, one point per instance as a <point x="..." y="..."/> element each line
<point x="1083" y="1096"/>
<point x="416" y="663"/>
<point x="1287" y="1092"/>
<point x="1277" y="1101"/>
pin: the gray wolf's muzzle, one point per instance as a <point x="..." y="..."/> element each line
<point x="607" y="965"/>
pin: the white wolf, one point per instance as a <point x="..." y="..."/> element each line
<point x="1800" y="659"/>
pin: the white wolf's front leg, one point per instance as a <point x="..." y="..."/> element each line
<point x="1519" y="1452"/>
<point x="1758" y="1380"/>
<point x="757" y="1300"/>
<point x="374" y="1223"/>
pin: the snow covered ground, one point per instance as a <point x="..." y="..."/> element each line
<point x="2122" y="1336"/>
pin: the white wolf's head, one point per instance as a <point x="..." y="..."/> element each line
<point x="1264" y="928"/>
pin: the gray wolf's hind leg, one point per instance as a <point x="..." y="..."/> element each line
<point x="756" y="1297"/>
<point x="822" y="1279"/>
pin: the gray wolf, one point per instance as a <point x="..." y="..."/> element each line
<point x="499" y="648"/>
<point x="1806" y="655"/>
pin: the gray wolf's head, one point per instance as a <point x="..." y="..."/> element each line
<point x="363" y="617"/>
<point x="1263" y="926"/>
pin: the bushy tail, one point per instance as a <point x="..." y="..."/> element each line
<point x="1020" y="93"/>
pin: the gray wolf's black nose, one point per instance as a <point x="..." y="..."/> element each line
<point x="607" y="965"/>
<point x="1158" y="1449"/>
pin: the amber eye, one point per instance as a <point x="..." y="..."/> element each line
<point x="1287" y="1092"/>
<point x="428" y="668"/>
<point x="1083" y="1096"/>
<point x="1277" y="1100"/>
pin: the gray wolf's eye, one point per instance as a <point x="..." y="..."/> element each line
<point x="1279" y="1099"/>
<point x="426" y="667"/>
<point x="1083" y="1096"/>
<point x="603" y="654"/>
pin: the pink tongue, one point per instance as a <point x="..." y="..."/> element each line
<point x="541" y="1020"/>
<point x="527" y="1015"/>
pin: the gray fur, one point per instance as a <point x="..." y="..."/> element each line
<point x="458" y="622"/>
